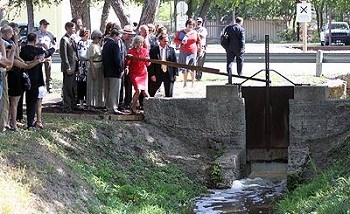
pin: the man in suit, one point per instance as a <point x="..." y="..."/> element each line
<point x="113" y="56"/>
<point x="236" y="47"/>
<point x="159" y="74"/>
<point x="68" y="67"/>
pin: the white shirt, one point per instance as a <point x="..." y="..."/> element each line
<point x="203" y="33"/>
<point x="45" y="38"/>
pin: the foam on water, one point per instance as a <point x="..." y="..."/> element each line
<point x="244" y="195"/>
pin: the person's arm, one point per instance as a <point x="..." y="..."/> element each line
<point x="199" y="45"/>
<point x="64" y="56"/>
<point x="177" y="40"/>
<point x="152" y="55"/>
<point x="92" y="69"/>
<point x="242" y="40"/>
<point x="53" y="39"/>
<point x="19" y="63"/>
<point x="146" y="55"/>
<point x="6" y="61"/>
<point x="173" y="58"/>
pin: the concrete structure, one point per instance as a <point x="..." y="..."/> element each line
<point x="220" y="118"/>
<point x="313" y="117"/>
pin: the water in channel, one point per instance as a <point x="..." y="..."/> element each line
<point x="246" y="196"/>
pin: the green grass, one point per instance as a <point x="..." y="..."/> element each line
<point x="92" y="164"/>
<point x="328" y="193"/>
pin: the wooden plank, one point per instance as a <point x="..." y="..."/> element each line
<point x="177" y="65"/>
<point x="129" y="117"/>
<point x="191" y="67"/>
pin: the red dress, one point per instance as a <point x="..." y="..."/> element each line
<point x="138" y="69"/>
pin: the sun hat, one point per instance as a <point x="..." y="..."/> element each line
<point x="128" y="29"/>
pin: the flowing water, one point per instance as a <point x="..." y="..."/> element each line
<point x="246" y="196"/>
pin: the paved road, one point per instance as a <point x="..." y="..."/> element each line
<point x="279" y="53"/>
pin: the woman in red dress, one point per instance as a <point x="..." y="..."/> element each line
<point x="138" y="70"/>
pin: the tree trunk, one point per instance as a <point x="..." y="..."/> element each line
<point x="189" y="12"/>
<point x="149" y="11"/>
<point x="30" y="14"/>
<point x="81" y="9"/>
<point x="105" y="14"/>
<point x="204" y="9"/>
<point x="118" y="8"/>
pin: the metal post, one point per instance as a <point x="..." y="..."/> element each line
<point x="319" y="60"/>
<point x="267" y="90"/>
<point x="267" y="60"/>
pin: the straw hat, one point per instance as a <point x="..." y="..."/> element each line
<point x="128" y="29"/>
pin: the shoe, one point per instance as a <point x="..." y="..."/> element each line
<point x="117" y="112"/>
<point x="38" y="125"/>
<point x="11" y="128"/>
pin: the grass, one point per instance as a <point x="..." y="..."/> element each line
<point x="89" y="166"/>
<point x="328" y="193"/>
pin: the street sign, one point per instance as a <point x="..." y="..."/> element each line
<point x="181" y="7"/>
<point x="181" y="22"/>
<point x="304" y="12"/>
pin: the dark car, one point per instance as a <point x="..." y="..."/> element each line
<point x="23" y="32"/>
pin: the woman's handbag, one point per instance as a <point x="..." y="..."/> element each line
<point x="26" y="81"/>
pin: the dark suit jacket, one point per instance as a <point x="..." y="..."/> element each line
<point x="155" y="69"/>
<point x="113" y="57"/>
<point x="236" y="35"/>
<point x="67" y="53"/>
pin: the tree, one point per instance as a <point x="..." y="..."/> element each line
<point x="204" y="8"/>
<point x="105" y="14"/>
<point x="81" y="9"/>
<point x="30" y="14"/>
<point x="118" y="7"/>
<point x="30" y="8"/>
<point x="149" y="11"/>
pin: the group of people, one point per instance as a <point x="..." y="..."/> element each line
<point x="100" y="70"/>
<point x="21" y="71"/>
<point x="111" y="67"/>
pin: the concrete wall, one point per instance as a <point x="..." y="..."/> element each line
<point x="313" y="117"/>
<point x="220" y="117"/>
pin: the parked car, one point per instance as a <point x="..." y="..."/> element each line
<point x="23" y="32"/>
<point x="340" y="33"/>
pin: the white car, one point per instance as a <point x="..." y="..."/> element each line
<point x="340" y="33"/>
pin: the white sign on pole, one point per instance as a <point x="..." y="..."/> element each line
<point x="304" y="12"/>
<point x="181" y="22"/>
<point x="181" y="7"/>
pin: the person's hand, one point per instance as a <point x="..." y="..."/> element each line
<point x="153" y="78"/>
<point x="200" y="53"/>
<point x="15" y="36"/>
<point x="93" y="73"/>
<point x="45" y="46"/>
<point x="93" y="76"/>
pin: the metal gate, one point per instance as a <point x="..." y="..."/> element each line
<point x="267" y="120"/>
